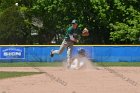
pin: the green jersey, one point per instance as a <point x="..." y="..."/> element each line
<point x="74" y="32"/>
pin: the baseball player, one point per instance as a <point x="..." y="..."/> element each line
<point x="79" y="60"/>
<point x="70" y="38"/>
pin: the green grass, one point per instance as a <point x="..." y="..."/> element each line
<point x="4" y="75"/>
<point x="31" y="64"/>
<point x="120" y="64"/>
<point x="58" y="64"/>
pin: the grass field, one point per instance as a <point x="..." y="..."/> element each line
<point x="4" y="75"/>
<point x="120" y="64"/>
<point x="31" y="64"/>
<point x="57" y="64"/>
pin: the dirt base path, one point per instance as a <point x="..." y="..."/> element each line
<point x="60" y="80"/>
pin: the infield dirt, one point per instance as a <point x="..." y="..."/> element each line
<point x="61" y="80"/>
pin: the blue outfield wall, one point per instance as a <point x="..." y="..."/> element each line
<point x="96" y="53"/>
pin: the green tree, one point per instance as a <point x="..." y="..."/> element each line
<point x="108" y="21"/>
<point x="11" y="24"/>
<point x="17" y="31"/>
<point x="126" y="29"/>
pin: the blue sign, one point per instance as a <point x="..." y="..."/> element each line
<point x="12" y="53"/>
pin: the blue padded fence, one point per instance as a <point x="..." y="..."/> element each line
<point x="96" y="53"/>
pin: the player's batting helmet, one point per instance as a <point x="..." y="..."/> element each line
<point x="81" y="51"/>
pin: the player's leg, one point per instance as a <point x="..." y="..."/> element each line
<point x="78" y="64"/>
<point x="61" y="49"/>
<point x="69" y="55"/>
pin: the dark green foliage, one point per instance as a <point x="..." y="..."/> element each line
<point x="109" y="21"/>
<point x="11" y="27"/>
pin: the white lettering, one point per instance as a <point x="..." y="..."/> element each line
<point x="12" y="53"/>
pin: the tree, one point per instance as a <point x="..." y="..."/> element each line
<point x="108" y="21"/>
<point x="126" y="30"/>
<point x="12" y="25"/>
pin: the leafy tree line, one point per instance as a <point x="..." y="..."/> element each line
<point x="44" y="21"/>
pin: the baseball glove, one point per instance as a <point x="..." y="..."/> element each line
<point x="85" y="32"/>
